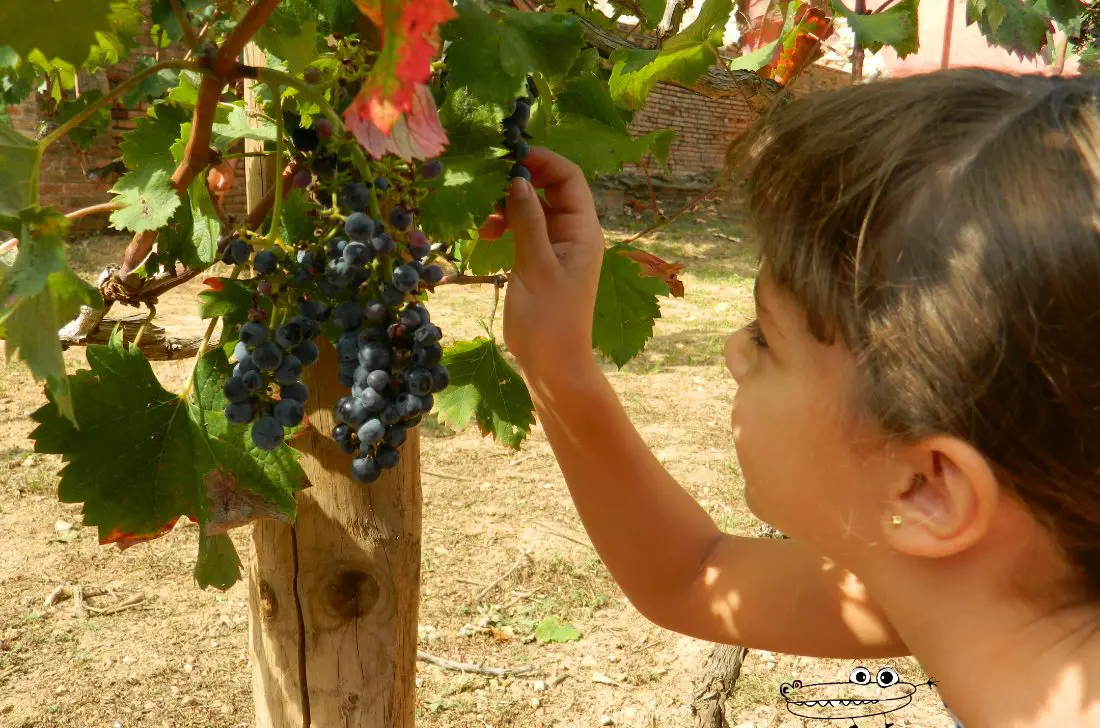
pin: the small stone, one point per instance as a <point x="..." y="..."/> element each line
<point x="188" y="667"/>
<point x="189" y="700"/>
<point x="613" y="658"/>
<point x="535" y="702"/>
<point x="7" y="709"/>
<point x="540" y="685"/>
<point x="486" y="485"/>
<point x="148" y="707"/>
<point x="62" y="526"/>
<point x="127" y="660"/>
<point x="588" y="661"/>
<point x="61" y="690"/>
<point x="606" y="720"/>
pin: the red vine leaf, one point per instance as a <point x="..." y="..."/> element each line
<point x="409" y="42"/>
<point x="654" y="267"/>
<point x="415" y="135"/>
<point x="126" y="540"/>
<point x="215" y="284"/>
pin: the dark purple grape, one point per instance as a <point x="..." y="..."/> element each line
<point x="395" y="436"/>
<point x="265" y="263"/>
<point x="341" y="432"/>
<point x="376" y="312"/>
<point x="323" y="127"/>
<point x="373" y="401"/>
<point x="374" y="356"/>
<point x="347" y="347"/>
<point x="358" y="254"/>
<point x="338" y="273"/>
<point x="441" y="378"/>
<point x="418" y="245"/>
<point x="234" y="390"/>
<point x="268" y="357"/>
<point x="365" y="470"/>
<point x="409" y="318"/>
<point x="302" y="178"/>
<point x="391" y="295"/>
<point x="431" y="169"/>
<point x="267" y="433"/>
<point x="386" y="457"/>
<point x="289" y="370"/>
<point x="359" y="227"/>
<point x="239" y="413"/>
<point x="311" y="309"/>
<point x="383" y="244"/>
<point x="350" y="411"/>
<point x="512" y="133"/>
<point x="307" y="353"/>
<point x="238" y="251"/>
<point x="518" y="151"/>
<point x="348" y="315"/>
<point x="371" y="431"/>
<point x="313" y="75"/>
<point x="307" y="326"/>
<point x="289" y="335"/>
<point x="400" y="218"/>
<point x="428" y="335"/>
<point x="324" y="166"/>
<point x="405" y="278"/>
<point x="374" y="333"/>
<point x="305" y="139"/>
<point x="427" y="401"/>
<point x="253" y="380"/>
<point x="349" y="446"/>
<point x="521" y="114"/>
<point x="289" y="412"/>
<point x="408" y="405"/>
<point x="298" y="391"/>
<point x="382" y="183"/>
<point x="379" y="380"/>
<point x="390" y="415"/>
<point x="518" y="170"/>
<point x="355" y="196"/>
<point x="427" y="356"/>
<point x="419" y="381"/>
<point x="432" y="274"/>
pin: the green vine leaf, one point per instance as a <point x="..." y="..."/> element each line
<point x="486" y="387"/>
<point x="147" y="200"/>
<point x="218" y="564"/>
<point x="85" y="134"/>
<point x="684" y="57"/>
<point x="142" y="455"/>
<point x="1019" y="26"/>
<point x="64" y="29"/>
<point x="492" y="256"/>
<point x="626" y="307"/>
<point x="227" y="298"/>
<point x="20" y="158"/>
<point x="895" y="27"/>
<point x="552" y="629"/>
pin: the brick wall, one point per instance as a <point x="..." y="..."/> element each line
<point x="706" y="127"/>
<point x="65" y="182"/>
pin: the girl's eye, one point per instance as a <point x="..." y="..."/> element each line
<point x="756" y="334"/>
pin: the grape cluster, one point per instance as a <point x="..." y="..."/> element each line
<point x="359" y="281"/>
<point x="514" y="129"/>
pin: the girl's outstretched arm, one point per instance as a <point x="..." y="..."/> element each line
<point x="664" y="550"/>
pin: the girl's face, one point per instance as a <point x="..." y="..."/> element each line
<point x="810" y="466"/>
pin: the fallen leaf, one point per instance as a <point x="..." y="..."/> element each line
<point x="654" y="267"/>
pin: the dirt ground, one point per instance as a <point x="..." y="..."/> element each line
<point x="178" y="657"/>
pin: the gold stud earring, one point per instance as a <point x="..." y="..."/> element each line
<point x="896" y="520"/>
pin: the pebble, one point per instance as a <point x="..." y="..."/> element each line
<point x="188" y="667"/>
<point x="127" y="660"/>
<point x="540" y="685"/>
<point x="588" y="661"/>
<point x="189" y="700"/>
<point x="535" y="702"/>
<point x="606" y="720"/>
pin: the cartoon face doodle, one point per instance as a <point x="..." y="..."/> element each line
<point x="859" y="697"/>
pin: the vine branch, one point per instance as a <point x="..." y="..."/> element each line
<point x="185" y="26"/>
<point x="660" y="224"/>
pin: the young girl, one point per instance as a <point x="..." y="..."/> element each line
<point x="918" y="403"/>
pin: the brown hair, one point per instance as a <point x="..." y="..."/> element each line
<point x="946" y="227"/>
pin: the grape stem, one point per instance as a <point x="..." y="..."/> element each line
<point x="141" y="330"/>
<point x="108" y="98"/>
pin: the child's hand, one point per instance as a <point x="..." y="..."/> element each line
<point x="559" y="249"/>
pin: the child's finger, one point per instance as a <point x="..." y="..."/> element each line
<point x="535" y="259"/>
<point x="566" y="188"/>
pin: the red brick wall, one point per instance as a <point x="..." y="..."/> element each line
<point x="705" y="127"/>
<point x="64" y="182"/>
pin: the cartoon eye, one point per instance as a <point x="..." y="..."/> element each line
<point x="860" y="676"/>
<point x="887" y="677"/>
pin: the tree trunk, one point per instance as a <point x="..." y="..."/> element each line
<point x="334" y="598"/>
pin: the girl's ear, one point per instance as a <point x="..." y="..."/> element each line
<point x="948" y="503"/>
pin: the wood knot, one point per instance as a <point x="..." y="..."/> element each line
<point x="268" y="604"/>
<point x="352" y="593"/>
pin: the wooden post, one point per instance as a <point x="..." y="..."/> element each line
<point x="259" y="172"/>
<point x="334" y="599"/>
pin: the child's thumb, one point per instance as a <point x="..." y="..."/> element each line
<point x="535" y="258"/>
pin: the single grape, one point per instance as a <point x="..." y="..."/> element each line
<point x="324" y="166"/>
<point x="313" y="75"/>
<point x="338" y="274"/>
<point x="427" y="356"/>
<point x="267" y="433"/>
<point x="289" y="412"/>
<point x="234" y="390"/>
<point x="305" y="139"/>
<point x="427" y="402"/>
<point x="341" y="432"/>
<point x="349" y="446"/>
<point x="395" y="436"/>
<point x="371" y="431"/>
<point x="289" y="335"/>
<point x="419" y="381"/>
<point x="347" y="347"/>
<point x="307" y="353"/>
<point x="374" y="333"/>
<point x="519" y="151"/>
<point x="253" y="380"/>
<point x="379" y="380"/>
<point x="418" y="245"/>
<point x="386" y="457"/>
<point x="383" y="244"/>
<point x="441" y="378"/>
<point x="239" y="413"/>
<point x="358" y="254"/>
<point x="265" y="263"/>
<point x="431" y="169"/>
<point x="409" y="318"/>
<point x="400" y="218"/>
<point x="240" y="352"/>
<point x="376" y="312"/>
<point x="268" y="357"/>
<point x="390" y="416"/>
<point x="311" y="309"/>
<point x="408" y="405"/>
<point x="428" y="335"/>
<point x="365" y="470"/>
<point x="307" y="326"/>
<point x="350" y="411"/>
<point x="297" y="390"/>
<point x="432" y="274"/>
<point x="323" y="127"/>
<point x="374" y="355"/>
<point x="382" y="183"/>
<point x="405" y="278"/>
<point x="336" y="247"/>
<point x="359" y="227"/>
<point x="302" y="178"/>
<point x="355" y="196"/>
<point x="289" y="370"/>
<point x="253" y="334"/>
<point x="391" y="295"/>
<point x="348" y="315"/>
<point x="372" y="400"/>
<point x="518" y="170"/>
<point x="532" y="90"/>
<point x="244" y="366"/>
<point x="237" y="251"/>
<point x="512" y="133"/>
<point x="521" y="113"/>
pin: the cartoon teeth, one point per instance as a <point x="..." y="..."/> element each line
<point x="835" y="703"/>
